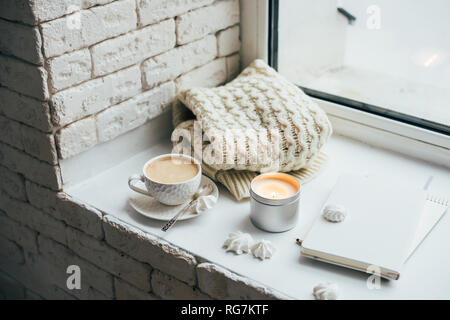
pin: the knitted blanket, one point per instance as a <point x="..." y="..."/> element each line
<point x="258" y="122"/>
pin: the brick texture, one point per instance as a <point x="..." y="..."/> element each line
<point x="144" y="247"/>
<point x="87" y="27"/>
<point x="95" y="95"/>
<point x="76" y="73"/>
<point x="21" y="41"/>
<point x="151" y="11"/>
<point x="133" y="47"/>
<point x="198" y="23"/>
<point x="182" y="59"/>
<point x="134" y="112"/>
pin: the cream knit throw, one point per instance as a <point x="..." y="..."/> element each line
<point x="257" y="122"/>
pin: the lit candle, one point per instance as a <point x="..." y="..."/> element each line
<point x="274" y="201"/>
<point x="275" y="186"/>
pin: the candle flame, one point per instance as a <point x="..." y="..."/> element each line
<point x="273" y="195"/>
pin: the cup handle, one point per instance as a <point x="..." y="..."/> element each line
<point x="139" y="177"/>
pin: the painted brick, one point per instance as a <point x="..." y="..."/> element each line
<point x="69" y="69"/>
<point x="209" y="75"/>
<point x="109" y="259"/>
<point x="21" y="41"/>
<point x="27" y="110"/>
<point x="32" y="168"/>
<point x="49" y="280"/>
<point x="10" y="252"/>
<point x="233" y="66"/>
<point x="62" y="257"/>
<point x="64" y="207"/>
<point x="34" y="142"/>
<point x="147" y="248"/>
<point x="198" y="23"/>
<point x="11" y="133"/>
<point x="45" y="10"/>
<point x="76" y="137"/>
<point x="17" y="10"/>
<point x="10" y="289"/>
<point x="27" y="215"/>
<point x="228" y="41"/>
<point x="39" y="144"/>
<point x="134" y="112"/>
<point x="125" y="291"/>
<point x="33" y="274"/>
<point x="151" y="11"/>
<point x="133" y="47"/>
<point x="86" y="27"/>
<point x="31" y="295"/>
<point x="222" y="284"/>
<point x="167" y="287"/>
<point x="12" y="184"/>
<point x="95" y="95"/>
<point x="171" y="64"/>
<point x="15" y="73"/>
<point x="14" y="231"/>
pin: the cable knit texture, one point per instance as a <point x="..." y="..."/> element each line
<point x="258" y="122"/>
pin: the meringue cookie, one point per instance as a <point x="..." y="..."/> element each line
<point x="204" y="203"/>
<point x="334" y="213"/>
<point x="238" y="242"/>
<point x="326" y="291"/>
<point x="263" y="250"/>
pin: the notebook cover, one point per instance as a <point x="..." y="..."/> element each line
<point x="380" y="226"/>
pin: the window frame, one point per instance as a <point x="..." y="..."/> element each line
<point x="381" y="129"/>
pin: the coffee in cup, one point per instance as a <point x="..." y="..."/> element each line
<point x="171" y="179"/>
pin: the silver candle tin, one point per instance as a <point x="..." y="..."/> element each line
<point x="274" y="215"/>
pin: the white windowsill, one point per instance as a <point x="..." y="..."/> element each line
<point x="287" y="272"/>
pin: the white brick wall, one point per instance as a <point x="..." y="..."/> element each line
<point x="95" y="95"/>
<point x="77" y="137"/>
<point x="45" y="10"/>
<point x="233" y="66"/>
<point x="222" y="284"/>
<point x="173" y="63"/>
<point x="125" y="291"/>
<point x="25" y="109"/>
<point x="36" y="170"/>
<point x="198" y="23"/>
<point x="144" y="247"/>
<point x="117" y="263"/>
<point x="133" y="47"/>
<point x="69" y="69"/>
<point x="209" y="75"/>
<point x="12" y="184"/>
<point x="21" y="41"/>
<point x="228" y="41"/>
<point x="14" y="74"/>
<point x="134" y="112"/>
<point x="151" y="11"/>
<point x="64" y="89"/>
<point x="84" y="28"/>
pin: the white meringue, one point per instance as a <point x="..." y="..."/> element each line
<point x="263" y="250"/>
<point x="326" y="291"/>
<point x="238" y="242"/>
<point x="334" y="213"/>
<point x="204" y="203"/>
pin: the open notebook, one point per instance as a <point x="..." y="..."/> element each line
<point x="385" y="224"/>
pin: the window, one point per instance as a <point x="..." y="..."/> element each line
<point x="390" y="58"/>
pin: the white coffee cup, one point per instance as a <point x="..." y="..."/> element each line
<point x="167" y="193"/>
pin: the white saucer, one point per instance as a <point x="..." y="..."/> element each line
<point x="152" y="208"/>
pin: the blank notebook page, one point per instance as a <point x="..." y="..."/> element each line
<point x="380" y="225"/>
